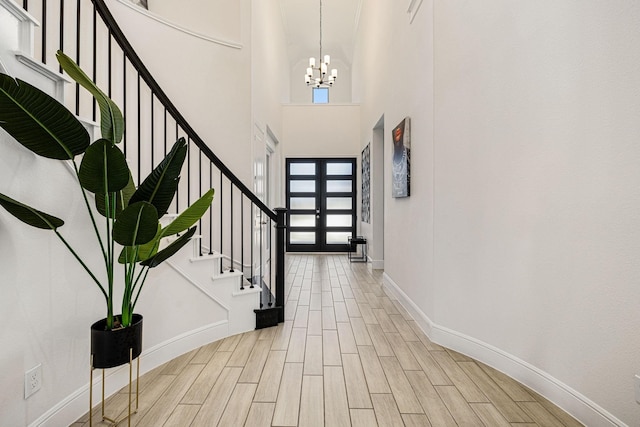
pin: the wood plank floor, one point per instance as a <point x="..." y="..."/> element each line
<point x="347" y="355"/>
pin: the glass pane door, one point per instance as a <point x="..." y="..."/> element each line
<point x="321" y="204"/>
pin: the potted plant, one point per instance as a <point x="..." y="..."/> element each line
<point x="130" y="215"/>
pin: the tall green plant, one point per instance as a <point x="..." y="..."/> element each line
<point x="130" y="215"/>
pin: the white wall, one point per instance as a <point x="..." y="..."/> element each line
<point x="401" y="87"/>
<point x="215" y="18"/>
<point x="42" y="288"/>
<point x="207" y="81"/>
<point x="524" y="187"/>
<point x="537" y="126"/>
<point x="270" y="70"/>
<point x="321" y="130"/>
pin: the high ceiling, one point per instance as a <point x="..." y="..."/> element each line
<point x="301" y="20"/>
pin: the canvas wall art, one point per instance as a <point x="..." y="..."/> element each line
<point x="401" y="159"/>
<point x="366" y="184"/>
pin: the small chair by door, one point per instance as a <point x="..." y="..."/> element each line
<point x="353" y="243"/>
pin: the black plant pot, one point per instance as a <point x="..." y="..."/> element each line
<point x="111" y="348"/>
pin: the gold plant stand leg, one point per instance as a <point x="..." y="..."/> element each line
<point x="128" y="416"/>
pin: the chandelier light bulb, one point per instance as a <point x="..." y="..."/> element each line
<point x="322" y="68"/>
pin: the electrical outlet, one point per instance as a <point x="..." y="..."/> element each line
<point x="636" y="387"/>
<point x="32" y="380"/>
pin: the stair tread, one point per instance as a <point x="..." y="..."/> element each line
<point x="43" y="69"/>
<point x="19" y="12"/>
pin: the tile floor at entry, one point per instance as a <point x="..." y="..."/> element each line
<point x="347" y="355"/>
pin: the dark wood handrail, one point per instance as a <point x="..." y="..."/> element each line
<point x="137" y="63"/>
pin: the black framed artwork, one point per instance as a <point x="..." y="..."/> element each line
<point x="401" y="159"/>
<point x="366" y="184"/>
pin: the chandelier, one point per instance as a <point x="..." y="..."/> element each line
<point x="317" y="76"/>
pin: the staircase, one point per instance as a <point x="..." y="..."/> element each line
<point x="233" y="263"/>
<point x="240" y="291"/>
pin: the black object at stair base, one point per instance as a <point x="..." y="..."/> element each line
<point x="266" y="316"/>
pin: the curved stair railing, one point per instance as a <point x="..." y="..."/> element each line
<point x="86" y="31"/>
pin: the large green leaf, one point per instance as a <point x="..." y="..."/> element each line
<point x="39" y="122"/>
<point x="190" y="216"/>
<point x="104" y="168"/>
<point x="144" y="251"/>
<point x="136" y="225"/>
<point x="29" y="215"/>
<point x="122" y="198"/>
<point x="111" y="121"/>
<point x="170" y="250"/>
<point x="161" y="184"/>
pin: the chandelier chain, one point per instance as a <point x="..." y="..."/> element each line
<point x="320" y="30"/>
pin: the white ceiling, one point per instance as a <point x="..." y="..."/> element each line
<point x="301" y="20"/>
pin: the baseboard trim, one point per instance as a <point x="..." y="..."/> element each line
<point x="76" y="404"/>
<point x="376" y="264"/>
<point x="579" y="406"/>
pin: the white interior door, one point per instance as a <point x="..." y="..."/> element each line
<point x="266" y="187"/>
<point x="259" y="219"/>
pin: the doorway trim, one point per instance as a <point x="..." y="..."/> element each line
<point x="376" y="249"/>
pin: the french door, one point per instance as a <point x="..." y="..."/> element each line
<point x="321" y="204"/>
